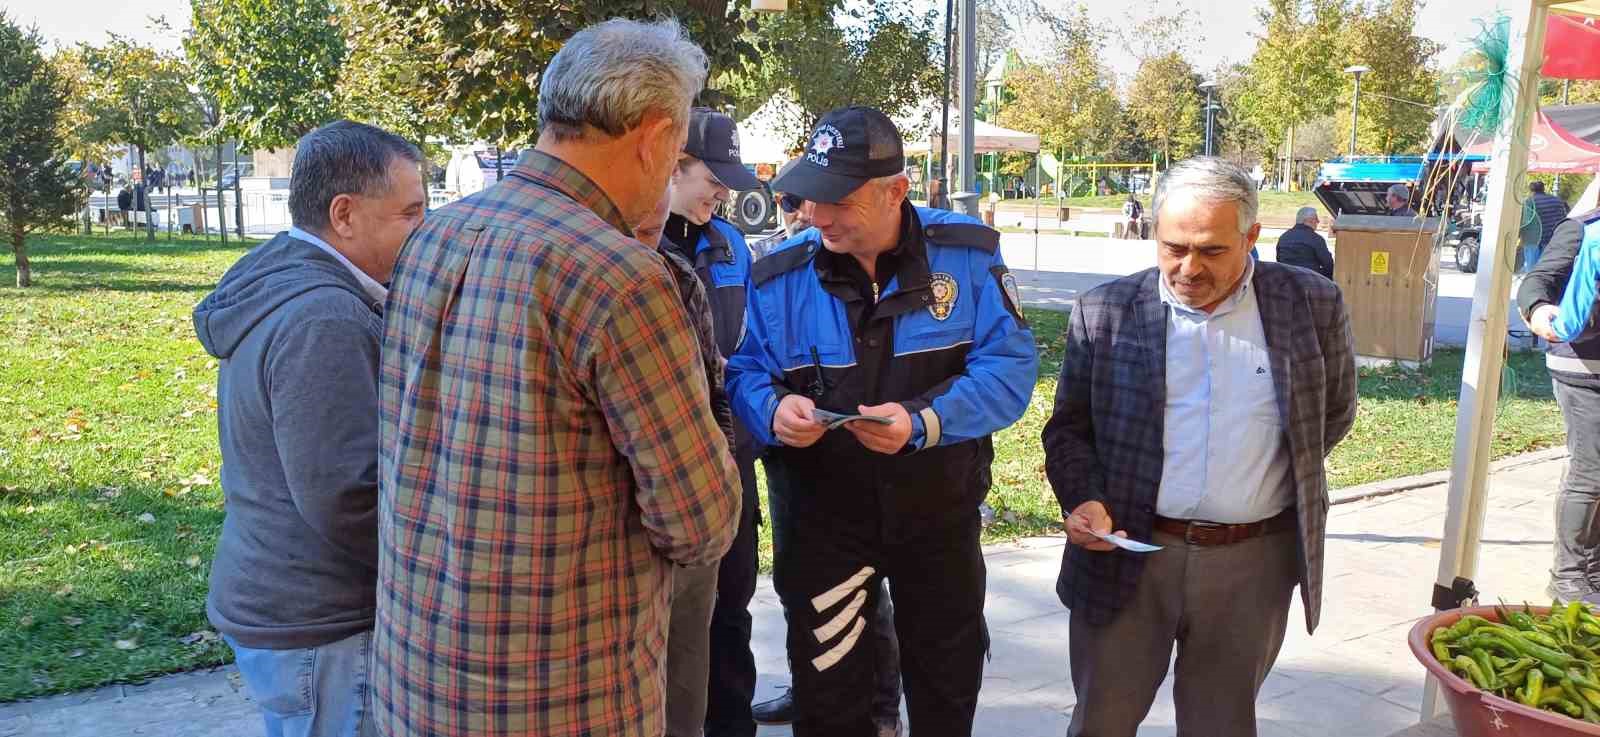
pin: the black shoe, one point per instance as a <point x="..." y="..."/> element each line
<point x="778" y="710"/>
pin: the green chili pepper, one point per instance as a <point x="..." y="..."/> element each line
<point x="1576" y="697"/>
<point x="1441" y="652"/>
<point x="1582" y="680"/>
<point x="1470" y="667"/>
<point x="1487" y="666"/>
<point x="1534" y="688"/>
<point x="1540" y="638"/>
<point x="1571" y="709"/>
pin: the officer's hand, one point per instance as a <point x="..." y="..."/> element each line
<point x="792" y="423"/>
<point x="1542" y="322"/>
<point x="1087" y="519"/>
<point x="887" y="439"/>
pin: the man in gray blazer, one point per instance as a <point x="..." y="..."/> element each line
<point x="1222" y="464"/>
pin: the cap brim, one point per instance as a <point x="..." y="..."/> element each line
<point x="810" y="182"/>
<point x="733" y="176"/>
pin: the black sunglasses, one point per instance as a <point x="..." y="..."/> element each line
<point x="790" y="203"/>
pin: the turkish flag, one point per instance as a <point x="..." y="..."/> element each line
<point x="1571" y="47"/>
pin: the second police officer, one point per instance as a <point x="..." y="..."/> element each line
<point x="716" y="658"/>
<point x="908" y="315"/>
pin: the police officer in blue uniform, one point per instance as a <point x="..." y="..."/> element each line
<point x="709" y="167"/>
<point x="908" y="316"/>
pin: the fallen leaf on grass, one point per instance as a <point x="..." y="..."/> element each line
<point x="127" y="644"/>
<point x="75" y="654"/>
<point x="193" y="561"/>
<point x="71" y="621"/>
<point x="201" y="637"/>
<point x="26" y="621"/>
<point x="147" y="518"/>
<point x="64" y="591"/>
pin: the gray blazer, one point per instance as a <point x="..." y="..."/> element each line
<point x="1104" y="440"/>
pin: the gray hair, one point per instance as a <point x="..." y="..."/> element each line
<point x="1400" y="192"/>
<point x="1304" y="215"/>
<point x="1213" y="180"/>
<point x="342" y="157"/>
<point x="609" y="75"/>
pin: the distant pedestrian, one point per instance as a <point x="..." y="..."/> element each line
<point x="1551" y="210"/>
<point x="125" y="203"/>
<point x="1398" y="199"/>
<point x="1132" y="218"/>
<point x="296" y="325"/>
<point x="1302" y="246"/>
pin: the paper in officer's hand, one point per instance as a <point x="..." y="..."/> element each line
<point x="832" y="420"/>
<point x="1129" y="545"/>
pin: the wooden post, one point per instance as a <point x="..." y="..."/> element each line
<point x="1491" y="298"/>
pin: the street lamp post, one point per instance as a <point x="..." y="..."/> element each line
<point x="1209" y="86"/>
<point x="1355" y="102"/>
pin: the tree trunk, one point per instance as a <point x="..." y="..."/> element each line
<point x="149" y="202"/>
<point x="1288" y="171"/>
<point x="19" y="249"/>
<point x="222" y="217"/>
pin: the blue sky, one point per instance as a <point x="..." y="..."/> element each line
<point x="1225" y="25"/>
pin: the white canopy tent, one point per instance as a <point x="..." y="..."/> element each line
<point x="988" y="139"/>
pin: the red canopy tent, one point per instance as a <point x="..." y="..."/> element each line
<point x="1571" y="45"/>
<point x="1551" y="150"/>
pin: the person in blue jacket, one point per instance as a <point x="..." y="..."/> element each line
<point x="908" y="316"/>
<point x="1558" y="299"/>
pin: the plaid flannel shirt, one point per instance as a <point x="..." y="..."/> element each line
<point x="546" y="453"/>
<point x="698" y="305"/>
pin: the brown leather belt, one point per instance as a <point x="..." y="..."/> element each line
<point x="1206" y="534"/>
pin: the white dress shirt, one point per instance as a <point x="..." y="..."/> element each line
<point x="1225" y="458"/>
<point x="378" y="292"/>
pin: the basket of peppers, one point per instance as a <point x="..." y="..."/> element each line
<point x="1507" y="671"/>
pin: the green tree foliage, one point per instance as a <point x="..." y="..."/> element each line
<point x="1382" y="38"/>
<point x="1068" y="100"/>
<point x="38" y="191"/>
<point x="1296" y="72"/>
<point x="1237" y="137"/>
<point x="1165" y="103"/>
<point x="134" y="95"/>
<point x="821" y="57"/>
<point x="482" y="59"/>
<point x="379" y="83"/>
<point x="271" y="65"/>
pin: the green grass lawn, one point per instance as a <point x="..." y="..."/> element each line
<point x="109" y="506"/>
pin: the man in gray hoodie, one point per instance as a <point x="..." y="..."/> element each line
<point x="296" y="325"/>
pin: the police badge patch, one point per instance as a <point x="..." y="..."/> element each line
<point x="945" y="292"/>
<point x="1008" y="287"/>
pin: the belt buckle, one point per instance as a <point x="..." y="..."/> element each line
<point x="1189" y="536"/>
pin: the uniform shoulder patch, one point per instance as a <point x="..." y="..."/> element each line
<point x="1008" y="287"/>
<point x="971" y="235"/>
<point x="785" y="258"/>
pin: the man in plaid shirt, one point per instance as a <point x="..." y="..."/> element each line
<point x="547" y="445"/>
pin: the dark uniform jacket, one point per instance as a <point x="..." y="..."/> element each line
<point x="945" y="338"/>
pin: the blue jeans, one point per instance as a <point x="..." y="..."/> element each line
<point x="1530" y="256"/>
<point x="310" y="692"/>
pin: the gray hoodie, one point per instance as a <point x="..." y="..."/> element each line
<point x="297" y="417"/>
